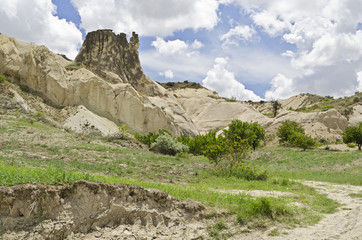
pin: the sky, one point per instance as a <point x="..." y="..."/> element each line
<point x="243" y="49"/>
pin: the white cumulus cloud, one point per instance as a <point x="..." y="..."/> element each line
<point x="359" y="80"/>
<point x="234" y="35"/>
<point x="33" y="21"/>
<point x="167" y="74"/>
<point x="223" y="81"/>
<point x="177" y="46"/>
<point x="148" y="18"/>
<point x="169" y="47"/>
<point x="325" y="35"/>
<point x="282" y="87"/>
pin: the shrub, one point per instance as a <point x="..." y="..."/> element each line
<point x="286" y="130"/>
<point x="356" y="99"/>
<point x="239" y="170"/>
<point x="326" y="107"/>
<point x="2" y="79"/>
<point x="215" y="151"/>
<point x="302" y="141"/>
<point x="150" y="137"/>
<point x="166" y="144"/>
<point x="197" y="145"/>
<point x="239" y="131"/>
<point x="353" y="135"/>
<point x="276" y="106"/>
<point x="351" y="145"/>
<point x="184" y="139"/>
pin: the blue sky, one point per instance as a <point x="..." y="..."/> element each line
<point x="248" y="49"/>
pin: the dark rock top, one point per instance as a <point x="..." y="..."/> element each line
<point x="112" y="57"/>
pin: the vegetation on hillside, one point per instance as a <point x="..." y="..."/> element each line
<point x="353" y="134"/>
<point x="32" y="149"/>
<point x="292" y="133"/>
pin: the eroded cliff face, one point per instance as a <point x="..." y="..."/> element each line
<point x="116" y="60"/>
<point x="134" y="99"/>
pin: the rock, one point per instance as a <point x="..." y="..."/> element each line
<point x="48" y="75"/>
<point x="85" y="121"/>
<point x="327" y="125"/>
<point x="115" y="60"/>
<point x="356" y="116"/>
<point x="210" y="112"/>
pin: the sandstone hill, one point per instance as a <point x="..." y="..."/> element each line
<point x="105" y="87"/>
<point x="121" y="92"/>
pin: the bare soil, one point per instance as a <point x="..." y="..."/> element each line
<point x="85" y="210"/>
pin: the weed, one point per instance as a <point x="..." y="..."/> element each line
<point x="274" y="232"/>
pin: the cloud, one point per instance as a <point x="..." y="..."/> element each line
<point x="168" y="74"/>
<point x="326" y="39"/>
<point x="282" y="87"/>
<point x="33" y="21"/>
<point x="197" y="44"/>
<point x="223" y="81"/>
<point x="148" y="18"/>
<point x="359" y="80"/>
<point x="169" y="47"/>
<point x="269" y="22"/>
<point x="177" y="46"/>
<point x="234" y="35"/>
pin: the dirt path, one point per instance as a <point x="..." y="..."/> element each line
<point x="346" y="223"/>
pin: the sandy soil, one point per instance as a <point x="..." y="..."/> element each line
<point x="345" y="224"/>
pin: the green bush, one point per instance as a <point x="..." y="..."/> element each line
<point x="238" y="131"/>
<point x="198" y="144"/>
<point x="351" y="145"/>
<point x="150" y="137"/>
<point x="216" y="150"/>
<point x="286" y="130"/>
<point x="166" y="144"/>
<point x="302" y="141"/>
<point x="2" y="79"/>
<point x="327" y="107"/>
<point x="239" y="170"/>
<point x="353" y="135"/>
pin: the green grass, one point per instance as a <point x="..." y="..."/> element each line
<point x="247" y="208"/>
<point x="317" y="165"/>
<point x="37" y="152"/>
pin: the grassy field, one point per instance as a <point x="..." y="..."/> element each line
<point x="33" y="151"/>
<point x="317" y="165"/>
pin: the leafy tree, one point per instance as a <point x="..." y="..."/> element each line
<point x="353" y="135"/>
<point x="198" y="144"/>
<point x="286" y="130"/>
<point x="215" y="151"/>
<point x="239" y="131"/>
<point x="276" y="106"/>
<point x="301" y="140"/>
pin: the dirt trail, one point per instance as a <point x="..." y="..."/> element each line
<point x="346" y="223"/>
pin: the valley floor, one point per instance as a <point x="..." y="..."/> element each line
<point x="48" y="160"/>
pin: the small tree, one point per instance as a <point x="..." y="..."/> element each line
<point x="276" y="106"/>
<point x="239" y="131"/>
<point x="286" y="130"/>
<point x="302" y="141"/>
<point x="353" y="135"/>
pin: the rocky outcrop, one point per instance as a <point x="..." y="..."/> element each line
<point x="328" y="125"/>
<point x="64" y="83"/>
<point x="116" y="60"/>
<point x="210" y="112"/>
<point x="84" y="209"/>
